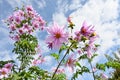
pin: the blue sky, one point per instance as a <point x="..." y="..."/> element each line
<point x="103" y="14"/>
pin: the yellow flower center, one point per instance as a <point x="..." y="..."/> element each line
<point x="3" y="72"/>
<point x="57" y="35"/>
<point x="83" y="31"/>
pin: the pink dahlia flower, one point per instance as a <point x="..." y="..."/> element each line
<point x="57" y="36"/>
<point x="8" y="65"/>
<point x="71" y="63"/>
<point x="87" y="30"/>
<point x="4" y="73"/>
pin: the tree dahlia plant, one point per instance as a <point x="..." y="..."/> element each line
<point x="72" y="49"/>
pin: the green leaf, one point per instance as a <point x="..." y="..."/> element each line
<point x="63" y="47"/>
<point x="55" y="55"/>
<point x="93" y="56"/>
<point x="80" y="72"/>
<point x="60" y="76"/>
<point x="96" y="45"/>
<point x="109" y="58"/>
<point x="85" y="69"/>
<point x="113" y="64"/>
<point x="84" y="56"/>
<point x="101" y="66"/>
<point x="78" y="64"/>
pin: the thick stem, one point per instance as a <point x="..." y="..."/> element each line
<point x="92" y="70"/>
<point x="61" y="62"/>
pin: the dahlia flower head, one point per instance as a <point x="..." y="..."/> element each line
<point x="4" y="72"/>
<point x="56" y="36"/>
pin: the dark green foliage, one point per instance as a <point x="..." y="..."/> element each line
<point x="114" y="65"/>
<point x="101" y="66"/>
<point x="25" y="48"/>
<point x="26" y="44"/>
<point x="39" y="73"/>
<point x="80" y="71"/>
<point x="33" y="73"/>
<point x="84" y="56"/>
<point x="60" y="76"/>
<point x="63" y="47"/>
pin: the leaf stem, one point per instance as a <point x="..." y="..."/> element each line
<point x="61" y="61"/>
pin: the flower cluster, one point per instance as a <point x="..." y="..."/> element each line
<point x="87" y="35"/>
<point x="4" y="72"/>
<point x="24" y="20"/>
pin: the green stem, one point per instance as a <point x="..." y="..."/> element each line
<point x="92" y="70"/>
<point x="61" y="61"/>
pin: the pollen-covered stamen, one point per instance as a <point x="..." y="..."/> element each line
<point x="93" y="34"/>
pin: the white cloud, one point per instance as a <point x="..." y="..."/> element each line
<point x="7" y="55"/>
<point x="48" y="61"/>
<point x="41" y="3"/>
<point x="107" y="26"/>
<point x="4" y="55"/>
<point x="75" y="4"/>
<point x="102" y="15"/>
<point x="17" y="3"/>
<point x="59" y="18"/>
<point x="110" y="10"/>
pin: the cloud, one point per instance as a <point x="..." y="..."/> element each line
<point x="59" y="18"/>
<point x="75" y="4"/>
<point x="101" y="13"/>
<point x="7" y="55"/>
<point x="41" y="4"/>
<point x="103" y="16"/>
<point x="4" y="55"/>
<point x="17" y="3"/>
<point x="48" y="61"/>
